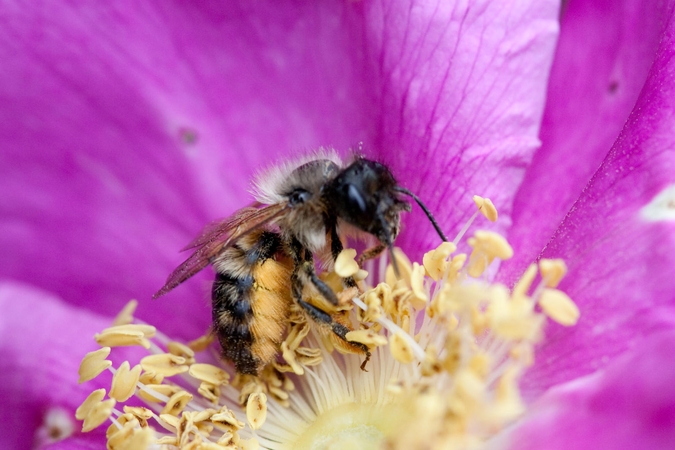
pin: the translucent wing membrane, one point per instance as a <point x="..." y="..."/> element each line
<point x="216" y="236"/>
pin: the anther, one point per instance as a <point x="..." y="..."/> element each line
<point x="201" y="343"/>
<point x="256" y="410"/>
<point x="209" y="391"/>
<point x="559" y="307"/>
<point x="552" y="271"/>
<point x="177" y="403"/>
<point x="140" y="413"/>
<point x="366" y="337"/>
<point x="420" y="298"/>
<point x="126" y="316"/>
<point x="209" y="373"/>
<point x="93" y="364"/>
<point x="98" y="414"/>
<point x="525" y="282"/>
<point x="401" y="349"/>
<point x="486" y="207"/>
<point x="122" y="338"/>
<point x="345" y="264"/>
<point x="124" y="382"/>
<point x="289" y="356"/>
<point x="487" y="245"/>
<point x="147" y="330"/>
<point x="182" y="350"/>
<point x="88" y="404"/>
<point x="165" y="364"/>
<point x="226" y="421"/>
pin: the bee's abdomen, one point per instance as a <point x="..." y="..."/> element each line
<point x="251" y="297"/>
<point x="232" y="316"/>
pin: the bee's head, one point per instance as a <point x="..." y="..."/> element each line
<point x="364" y="195"/>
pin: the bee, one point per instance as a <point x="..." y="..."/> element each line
<point x="263" y="254"/>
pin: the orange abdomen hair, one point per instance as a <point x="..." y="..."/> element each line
<point x="251" y="299"/>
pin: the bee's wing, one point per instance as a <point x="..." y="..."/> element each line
<point x="216" y="237"/>
<point x="224" y="226"/>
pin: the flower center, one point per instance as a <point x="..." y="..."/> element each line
<point x="353" y="425"/>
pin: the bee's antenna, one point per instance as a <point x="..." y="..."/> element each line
<point x="430" y="216"/>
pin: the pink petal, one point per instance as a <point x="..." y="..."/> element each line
<point x="42" y="341"/>
<point x="619" y="240"/>
<point x="85" y="441"/>
<point x="126" y="128"/>
<point x="461" y="94"/>
<point x="628" y="405"/>
<point x="605" y="51"/>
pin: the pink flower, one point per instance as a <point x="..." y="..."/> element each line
<point x="125" y="128"/>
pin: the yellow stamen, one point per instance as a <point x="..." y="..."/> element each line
<point x="164" y="364"/>
<point x="435" y="261"/>
<point x="124" y="382"/>
<point x="140" y="413"/>
<point x="201" y="343"/>
<point x="93" y="364"/>
<point x="182" y="350"/>
<point x="552" y="271"/>
<point x="147" y="330"/>
<point x="225" y="420"/>
<point x="177" y="403"/>
<point x="256" y="410"/>
<point x="486" y="207"/>
<point x="289" y="356"/>
<point x="367" y="337"/>
<point x="209" y="391"/>
<point x="151" y="377"/>
<point x="126" y="316"/>
<point x="150" y="394"/>
<point x="88" y="404"/>
<point x="559" y="307"/>
<point x="525" y="282"/>
<point x="98" y="414"/>
<point x="401" y="349"/>
<point x="209" y="373"/>
<point x="122" y="338"/>
<point x="420" y="298"/>
<point x="487" y="245"/>
<point x="345" y="263"/>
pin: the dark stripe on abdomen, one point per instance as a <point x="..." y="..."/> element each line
<point x="232" y="294"/>
<point x="231" y="318"/>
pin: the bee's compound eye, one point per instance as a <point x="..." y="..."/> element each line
<point x="298" y="197"/>
<point x="355" y="198"/>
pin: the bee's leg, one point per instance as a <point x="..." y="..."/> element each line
<point x="304" y="262"/>
<point x="335" y="249"/>
<point x="325" y="291"/>
<point x="324" y="319"/>
<point x="371" y="253"/>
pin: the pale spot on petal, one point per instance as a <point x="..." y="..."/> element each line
<point x="662" y="207"/>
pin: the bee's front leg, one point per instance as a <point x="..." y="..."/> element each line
<point x="371" y="253"/>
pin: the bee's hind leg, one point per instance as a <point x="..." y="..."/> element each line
<point x="324" y="319"/>
<point x="304" y="262"/>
